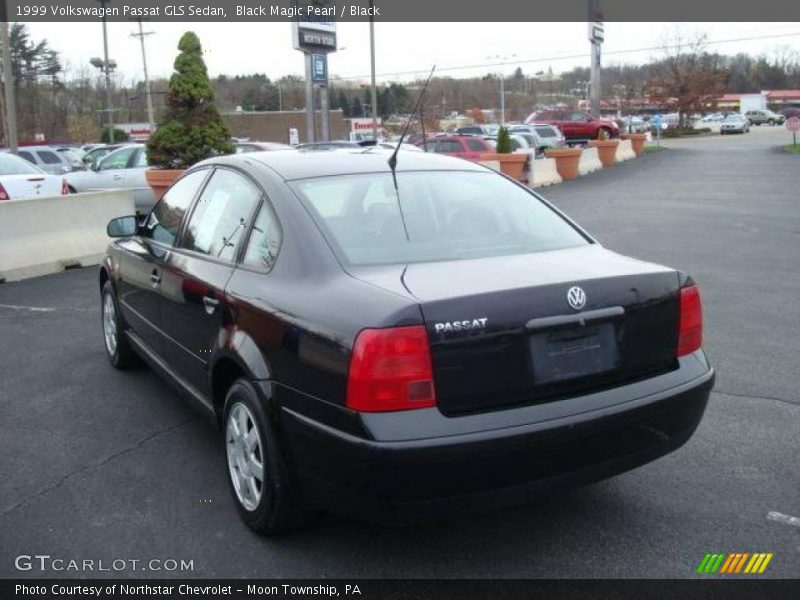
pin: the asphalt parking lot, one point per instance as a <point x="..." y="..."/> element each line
<point x="102" y="464"/>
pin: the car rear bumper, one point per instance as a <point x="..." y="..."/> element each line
<point x="442" y="476"/>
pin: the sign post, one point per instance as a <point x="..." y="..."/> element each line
<point x="658" y="122"/>
<point x="793" y="125"/>
<point x="314" y="34"/>
<point x="596" y="38"/>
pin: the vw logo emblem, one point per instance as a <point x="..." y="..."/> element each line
<point x="576" y="297"/>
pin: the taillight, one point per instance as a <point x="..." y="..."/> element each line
<point x="3" y="193"/>
<point x="64" y="187"/>
<point x="390" y="369"/>
<point x="690" y="331"/>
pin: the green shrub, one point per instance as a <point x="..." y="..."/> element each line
<point x="503" y="141"/>
<point x="193" y="129"/>
<point x="119" y="136"/>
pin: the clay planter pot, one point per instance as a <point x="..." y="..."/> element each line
<point x="606" y="150"/>
<point x="637" y="141"/>
<point x="161" y="179"/>
<point x="567" y="160"/>
<point x="512" y="165"/>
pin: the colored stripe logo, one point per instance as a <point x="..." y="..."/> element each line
<point x="734" y="563"/>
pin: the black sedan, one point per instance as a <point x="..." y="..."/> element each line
<point x="393" y="345"/>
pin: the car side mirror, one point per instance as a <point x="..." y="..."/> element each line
<point x="94" y="165"/>
<point x="122" y="227"/>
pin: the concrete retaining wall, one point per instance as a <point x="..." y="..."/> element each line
<point x="625" y="151"/>
<point x="45" y="235"/>
<point x="542" y="172"/>
<point x="590" y="161"/>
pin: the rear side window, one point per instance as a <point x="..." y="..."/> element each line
<point x="265" y="240"/>
<point x="476" y="145"/>
<point x="165" y="220"/>
<point x="49" y="158"/>
<point x="27" y="156"/>
<point x="446" y="215"/>
<point x="447" y="146"/>
<point x="221" y="215"/>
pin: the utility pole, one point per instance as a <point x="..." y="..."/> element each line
<point x="596" y="37"/>
<point x="372" y="65"/>
<point x="150" y="115"/>
<point x="502" y="99"/>
<point x="107" y="69"/>
<point x="11" y="106"/>
<point x="311" y="109"/>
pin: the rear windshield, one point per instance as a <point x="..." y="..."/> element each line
<point x="14" y="165"/>
<point x="446" y="215"/>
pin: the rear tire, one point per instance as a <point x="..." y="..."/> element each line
<point x="771" y="122"/>
<point x="118" y="349"/>
<point x="603" y="134"/>
<point x="256" y="470"/>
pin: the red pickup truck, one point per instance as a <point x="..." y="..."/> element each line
<point x="576" y="125"/>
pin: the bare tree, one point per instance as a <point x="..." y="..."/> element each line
<point x="687" y="78"/>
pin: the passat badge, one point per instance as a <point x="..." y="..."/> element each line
<point x="466" y="325"/>
<point x="576" y="297"/>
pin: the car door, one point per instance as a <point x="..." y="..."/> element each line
<point x="576" y="126"/>
<point x="196" y="273"/>
<point x="143" y="258"/>
<point x="110" y="171"/>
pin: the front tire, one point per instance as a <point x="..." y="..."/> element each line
<point x="118" y="349"/>
<point x="256" y="470"/>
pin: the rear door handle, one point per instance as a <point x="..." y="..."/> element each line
<point x="211" y="304"/>
<point x="155" y="277"/>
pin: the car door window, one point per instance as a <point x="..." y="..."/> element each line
<point x="579" y="116"/>
<point x="117" y="160"/>
<point x="221" y="215"/>
<point x="476" y="145"/>
<point x="165" y="219"/>
<point x="265" y="240"/>
<point x="141" y="159"/>
<point x="49" y="158"/>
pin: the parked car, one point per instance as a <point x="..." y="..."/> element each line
<point x="74" y="157"/>
<point x="99" y="151"/>
<point x="46" y="158"/>
<point x="19" y="179"/>
<point x="245" y="147"/>
<point x="544" y="136"/>
<point x="365" y="340"/>
<point x="576" y="125"/>
<point x="713" y="118"/>
<point x="632" y="125"/>
<point x="470" y="147"/>
<point x="764" y="117"/>
<point x="734" y="123"/>
<point x="123" y="168"/>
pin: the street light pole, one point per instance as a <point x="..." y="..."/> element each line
<point x="150" y="113"/>
<point x="11" y="106"/>
<point x="502" y="99"/>
<point x="107" y="69"/>
<point x="372" y="72"/>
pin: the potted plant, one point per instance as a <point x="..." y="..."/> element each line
<point x="637" y="141"/>
<point x="567" y="161"/>
<point x="606" y="150"/>
<point x="193" y="129"/>
<point x="511" y="164"/>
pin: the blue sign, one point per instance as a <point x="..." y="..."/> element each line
<point x="657" y="120"/>
<point x="319" y="68"/>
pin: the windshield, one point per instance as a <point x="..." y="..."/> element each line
<point x="14" y="165"/>
<point x="449" y="215"/>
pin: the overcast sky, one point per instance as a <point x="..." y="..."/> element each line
<point x="243" y="48"/>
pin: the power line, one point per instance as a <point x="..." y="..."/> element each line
<point x="566" y="57"/>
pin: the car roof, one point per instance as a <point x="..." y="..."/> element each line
<point x="303" y="165"/>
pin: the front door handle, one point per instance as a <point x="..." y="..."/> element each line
<point x="155" y="277"/>
<point x="211" y="304"/>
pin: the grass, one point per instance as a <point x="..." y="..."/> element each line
<point x="792" y="149"/>
<point x="652" y="148"/>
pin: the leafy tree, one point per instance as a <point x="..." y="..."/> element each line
<point x="503" y="141"/>
<point x="344" y="104"/>
<point x="193" y="129"/>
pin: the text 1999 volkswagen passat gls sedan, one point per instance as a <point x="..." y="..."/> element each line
<point x="394" y="344"/>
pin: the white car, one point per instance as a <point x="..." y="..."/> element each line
<point x="19" y="179"/>
<point x="122" y="168"/>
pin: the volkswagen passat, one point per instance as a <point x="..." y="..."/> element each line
<point x="395" y="344"/>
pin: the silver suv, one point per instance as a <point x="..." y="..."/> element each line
<point x="759" y="117"/>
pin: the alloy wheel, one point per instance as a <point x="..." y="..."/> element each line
<point x="245" y="456"/>
<point x="110" y="324"/>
